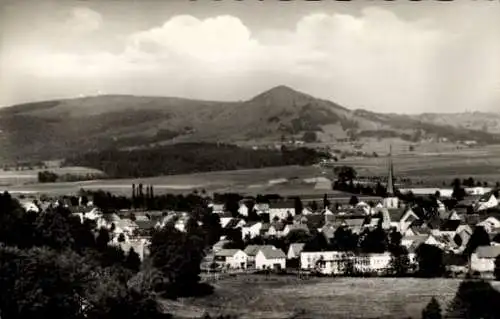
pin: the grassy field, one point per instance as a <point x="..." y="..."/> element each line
<point x="252" y="181"/>
<point x="430" y="167"/>
<point x="253" y="296"/>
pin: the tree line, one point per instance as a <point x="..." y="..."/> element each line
<point x="190" y="158"/>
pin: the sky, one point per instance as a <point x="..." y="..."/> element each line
<point x="402" y="56"/>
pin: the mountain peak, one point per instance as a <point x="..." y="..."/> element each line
<point x="281" y="93"/>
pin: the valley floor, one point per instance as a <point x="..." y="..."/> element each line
<point x="258" y="296"/>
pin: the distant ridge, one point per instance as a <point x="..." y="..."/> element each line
<point x="58" y="128"/>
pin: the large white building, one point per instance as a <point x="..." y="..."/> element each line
<point x="339" y="262"/>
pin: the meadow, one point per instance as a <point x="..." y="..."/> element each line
<point x="430" y="168"/>
<point x="254" y="296"/>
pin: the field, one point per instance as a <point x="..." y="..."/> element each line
<point x="432" y="168"/>
<point x="289" y="179"/>
<point x="253" y="296"/>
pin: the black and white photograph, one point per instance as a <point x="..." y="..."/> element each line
<point x="249" y="159"/>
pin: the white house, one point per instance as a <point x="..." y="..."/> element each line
<point x="483" y="259"/>
<point x="251" y="229"/>
<point x="339" y="262"/>
<point x="231" y="258"/>
<point x="30" y="207"/>
<point x="477" y="190"/>
<point x="243" y="209"/>
<point x="270" y="258"/>
<point x="486" y="202"/>
<point x="261" y="208"/>
<point x="217" y="208"/>
<point x="490" y="224"/>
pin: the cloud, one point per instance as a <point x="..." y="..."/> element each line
<point x="373" y="60"/>
<point x="84" y="20"/>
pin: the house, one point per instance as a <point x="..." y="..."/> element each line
<point x="235" y="223"/>
<point x="270" y="258"/>
<point x="217" y="208"/>
<point x="328" y="230"/>
<point x="307" y="211"/>
<point x="243" y="209"/>
<point x="281" y="210"/>
<point x="261" y="208"/>
<point x="400" y="218"/>
<point x="231" y="258"/>
<point x="30" y="206"/>
<point x="329" y="215"/>
<point x="354" y="223"/>
<point x="251" y="229"/>
<point x="220" y="244"/>
<point x="483" y="259"/>
<point x="140" y="246"/>
<point x="314" y="221"/>
<point x="276" y="229"/>
<point x="490" y="224"/>
<point x="486" y="202"/>
<point x="294" y="227"/>
<point x="294" y="250"/>
<point x="251" y="252"/>
<point x="338" y="262"/>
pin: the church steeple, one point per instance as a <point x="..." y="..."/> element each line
<point x="391" y="201"/>
<point x="390" y="176"/>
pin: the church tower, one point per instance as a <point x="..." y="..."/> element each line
<point x="391" y="201"/>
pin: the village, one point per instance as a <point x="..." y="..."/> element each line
<point x="287" y="235"/>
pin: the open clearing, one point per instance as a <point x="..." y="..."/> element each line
<point x="254" y="296"/>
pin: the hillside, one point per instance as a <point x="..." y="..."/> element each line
<point x="488" y="122"/>
<point x="63" y="128"/>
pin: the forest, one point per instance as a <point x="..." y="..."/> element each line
<point x="190" y="158"/>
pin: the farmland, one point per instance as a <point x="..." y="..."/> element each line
<point x="253" y="296"/>
<point x="430" y="168"/>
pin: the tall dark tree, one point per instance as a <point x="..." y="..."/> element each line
<point x="178" y="256"/>
<point x="326" y="202"/>
<point x="52" y="228"/>
<point x="496" y="271"/>
<point x="132" y="261"/>
<point x="41" y="282"/>
<point x="102" y="239"/>
<point x="432" y="310"/>
<point x="478" y="238"/>
<point x="474" y="299"/>
<point x="314" y="206"/>
<point x="345" y="173"/>
<point x="354" y="200"/>
<point x="430" y="261"/>
<point x="298" y="205"/>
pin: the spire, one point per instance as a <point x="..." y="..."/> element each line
<point x="390" y="177"/>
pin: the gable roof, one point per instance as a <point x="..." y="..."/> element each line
<point x="487" y="251"/>
<point x="295" y="227"/>
<point x="232" y="223"/>
<point x="282" y="205"/>
<point x="449" y="225"/>
<point x="227" y="252"/>
<point x="271" y="252"/>
<point x="278" y="226"/>
<point x="315" y="221"/>
<point x="296" y="248"/>
<point x="252" y="250"/>
<point x="146" y="224"/>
